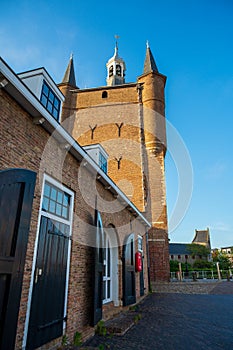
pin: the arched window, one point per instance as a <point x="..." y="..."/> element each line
<point x="107" y="270"/>
<point x="118" y="70"/>
<point x="104" y="94"/>
<point x="110" y="73"/>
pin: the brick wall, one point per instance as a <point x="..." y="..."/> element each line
<point x="24" y="144"/>
<point x="125" y="147"/>
<point x="136" y="154"/>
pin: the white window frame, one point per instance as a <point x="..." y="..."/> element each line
<point x="106" y="279"/>
<point x="140" y="249"/>
<point x="52" y="216"/>
<point x="69" y="222"/>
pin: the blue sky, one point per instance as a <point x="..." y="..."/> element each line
<point x="192" y="45"/>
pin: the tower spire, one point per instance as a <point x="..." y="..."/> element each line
<point x="115" y="68"/>
<point x="149" y="63"/>
<point x="69" y="76"/>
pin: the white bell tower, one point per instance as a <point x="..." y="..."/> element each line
<point x="115" y="68"/>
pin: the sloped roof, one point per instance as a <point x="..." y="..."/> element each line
<point x="202" y="237"/>
<point x="69" y="76"/>
<point x="178" y="249"/>
<point x="149" y="63"/>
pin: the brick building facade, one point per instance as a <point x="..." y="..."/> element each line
<point x="128" y="120"/>
<point x="68" y="233"/>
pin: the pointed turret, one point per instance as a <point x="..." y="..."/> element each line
<point x="115" y="68"/>
<point x="149" y="63"/>
<point x="154" y="129"/>
<point x="69" y="76"/>
<point x="67" y="85"/>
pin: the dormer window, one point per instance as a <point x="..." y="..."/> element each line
<point x="50" y="101"/>
<point x="99" y="155"/>
<point x="45" y="89"/>
<point x="103" y="163"/>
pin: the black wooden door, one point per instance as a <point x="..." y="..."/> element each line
<point x="129" y="293"/>
<point x="48" y="297"/>
<point x="98" y="271"/>
<point x="16" y="196"/>
<point x="142" y="280"/>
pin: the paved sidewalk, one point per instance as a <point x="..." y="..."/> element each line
<point x="178" y="321"/>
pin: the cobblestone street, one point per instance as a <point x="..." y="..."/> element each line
<point x="179" y="321"/>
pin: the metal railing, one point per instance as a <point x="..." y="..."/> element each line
<point x="201" y="275"/>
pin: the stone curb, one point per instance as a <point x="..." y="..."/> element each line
<point x="184" y="287"/>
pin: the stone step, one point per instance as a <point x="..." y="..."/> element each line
<point x="121" y="324"/>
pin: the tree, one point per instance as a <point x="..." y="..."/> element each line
<point x="202" y="264"/>
<point x="174" y="265"/>
<point x="223" y="259"/>
<point x="198" y="249"/>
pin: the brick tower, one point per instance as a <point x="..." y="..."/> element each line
<point x="128" y="120"/>
<point x="153" y="102"/>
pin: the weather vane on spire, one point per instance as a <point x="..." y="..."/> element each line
<point x="117" y="37"/>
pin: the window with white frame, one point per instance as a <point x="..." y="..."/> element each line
<point x="56" y="201"/>
<point x="107" y="270"/>
<point x="140" y="247"/>
<point x="50" y="101"/>
<point x="57" y="209"/>
<point x="57" y="204"/>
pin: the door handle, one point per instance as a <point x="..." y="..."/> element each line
<point x="38" y="273"/>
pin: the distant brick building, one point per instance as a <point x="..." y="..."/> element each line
<point x="228" y="251"/>
<point x="180" y="252"/>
